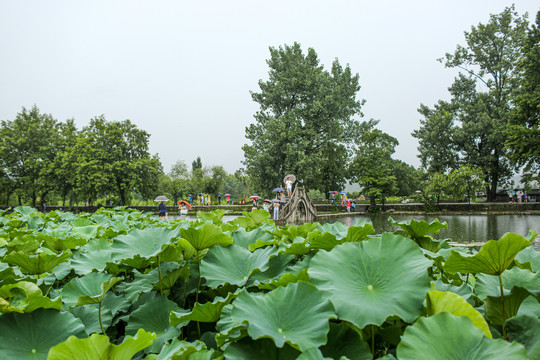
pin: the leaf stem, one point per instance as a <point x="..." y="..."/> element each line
<point x="502" y="305"/>
<point x="198" y="287"/>
<point x="100" y="323"/>
<point x="159" y="273"/>
<point x="373" y="341"/>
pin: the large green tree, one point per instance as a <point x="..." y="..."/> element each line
<point x="305" y="124"/>
<point x="373" y="166"/>
<point x="481" y="99"/>
<point x="28" y="148"/>
<point x="523" y="131"/>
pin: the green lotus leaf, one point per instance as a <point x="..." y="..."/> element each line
<point x="367" y="285"/>
<point x="208" y="312"/>
<point x="489" y="285"/>
<point x="93" y="256"/>
<point x="417" y="229"/>
<point x="153" y="316"/>
<point x="142" y="244"/>
<point x="253" y="219"/>
<point x="493" y="258"/>
<point x="35" y="221"/>
<point x="260" y="244"/>
<point x="180" y="350"/>
<point x="89" y="289"/>
<point x="464" y="290"/>
<point x="312" y="354"/>
<point x="26" y="243"/>
<point x="344" y="342"/>
<point x="285" y="280"/>
<point x="299" y="246"/>
<point x="24" y="211"/>
<point x="26" y="297"/>
<point x="89" y="316"/>
<point x="81" y="222"/>
<point x="438" y="301"/>
<point x="277" y="266"/>
<point x="8" y="275"/>
<point x="229" y="331"/>
<point x="14" y="223"/>
<point x="245" y="238"/>
<point x="101" y="220"/>
<point x="206" y="236"/>
<point x="36" y="264"/>
<point x="259" y="349"/>
<point x="291" y="232"/>
<point x="512" y="302"/>
<point x="99" y="347"/>
<point x="58" y="244"/>
<point x="528" y="258"/>
<point x="325" y="241"/>
<point x="233" y="264"/>
<point x="339" y="230"/>
<point x="531" y="235"/>
<point x="281" y="313"/>
<point x="86" y="232"/>
<point x="359" y="232"/>
<point x="525" y="330"/>
<point x="212" y="216"/>
<point x="30" y="336"/>
<point x="445" y="336"/>
<point x="530" y="306"/>
<point x="143" y="283"/>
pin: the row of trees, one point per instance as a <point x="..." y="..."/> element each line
<point x="491" y="121"/>
<point x="41" y="157"/>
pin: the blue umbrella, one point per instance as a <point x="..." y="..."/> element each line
<point x="278" y="189"/>
<point x="218" y="194"/>
<point x="343" y="192"/>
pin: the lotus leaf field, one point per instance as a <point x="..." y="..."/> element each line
<point x="121" y="284"/>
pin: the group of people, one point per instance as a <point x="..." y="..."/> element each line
<point x="517" y="196"/>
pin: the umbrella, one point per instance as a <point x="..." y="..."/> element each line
<point x="161" y="198"/>
<point x="275" y="200"/>
<point x="218" y="194"/>
<point x="183" y="202"/>
<point x="227" y="195"/>
<point x="293" y="178"/>
<point x="255" y="197"/>
<point x="333" y="192"/>
<point x="268" y="201"/>
<point x="278" y="189"/>
<point x="200" y="194"/>
<point x="343" y="192"/>
<point x="418" y="191"/>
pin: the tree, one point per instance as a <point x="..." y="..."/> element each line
<point x="196" y="164"/>
<point x="305" y="121"/>
<point x="214" y="183"/>
<point x="372" y="166"/>
<point x="121" y="155"/>
<point x="437" y="149"/>
<point x="466" y="181"/>
<point x="408" y="179"/>
<point x="523" y="131"/>
<point x="481" y="98"/>
<point x="28" y="147"/>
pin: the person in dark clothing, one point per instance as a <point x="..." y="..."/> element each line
<point x="162" y="210"/>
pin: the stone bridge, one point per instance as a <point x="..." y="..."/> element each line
<point x="298" y="209"/>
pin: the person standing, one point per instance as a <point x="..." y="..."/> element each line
<point x="282" y="198"/>
<point x="353" y="206"/>
<point x="183" y="211"/>
<point x="348" y="206"/>
<point x="276" y="211"/>
<point x="219" y="199"/>
<point x="289" y="186"/>
<point x="228" y="199"/>
<point x="162" y="210"/>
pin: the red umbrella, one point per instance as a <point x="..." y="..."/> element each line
<point x="183" y="202"/>
<point x="255" y="197"/>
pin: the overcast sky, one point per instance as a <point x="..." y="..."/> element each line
<point x="182" y="70"/>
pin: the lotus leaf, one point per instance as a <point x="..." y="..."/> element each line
<point x="325" y="241"/>
<point x="30" y="336"/>
<point x="339" y="230"/>
<point x="25" y="297"/>
<point x="445" y="336"/>
<point x="438" y="301"/>
<point x="285" y="280"/>
<point x="143" y="283"/>
<point x="206" y="236"/>
<point x="234" y="264"/>
<point x="89" y="289"/>
<point x="93" y="256"/>
<point x="528" y="258"/>
<point x="245" y="238"/>
<point x="493" y="258"/>
<point x="90" y="315"/>
<point x="213" y="216"/>
<point x="24" y="211"/>
<point x="25" y="243"/>
<point x="277" y="266"/>
<point x="86" y="232"/>
<point x="525" y="330"/>
<point x="512" y="302"/>
<point x="373" y="279"/>
<point x="180" y="350"/>
<point x="208" y="312"/>
<point x="464" y="290"/>
<point x="259" y="349"/>
<point x="153" y="316"/>
<point x="282" y="315"/>
<point x="99" y="347"/>
<point x="260" y="243"/>
<point x="36" y="264"/>
<point x="34" y="222"/>
<point x="252" y="219"/>
<point x="417" y="229"/>
<point x="291" y="232"/>
<point x="58" y="244"/>
<point x="81" y="222"/>
<point x="489" y="285"/>
<point x="344" y="342"/>
<point x="359" y="232"/>
<point x="146" y="244"/>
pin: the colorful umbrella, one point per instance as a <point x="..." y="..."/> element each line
<point x="278" y="189"/>
<point x="255" y="197"/>
<point x="291" y="176"/>
<point x="183" y="202"/>
<point x="227" y="195"/>
<point x="333" y="192"/>
<point x="418" y="192"/>
<point x="161" y="198"/>
<point x="268" y="201"/>
<point x="343" y="192"/>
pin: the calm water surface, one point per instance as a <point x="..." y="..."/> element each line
<point x="461" y="228"/>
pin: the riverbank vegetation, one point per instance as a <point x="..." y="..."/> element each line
<point x="126" y="284"/>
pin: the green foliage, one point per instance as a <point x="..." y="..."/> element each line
<point x="305" y="291"/>
<point x="305" y="122"/>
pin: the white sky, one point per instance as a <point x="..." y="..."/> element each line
<point x="182" y="70"/>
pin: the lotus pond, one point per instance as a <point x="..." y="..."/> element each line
<point x="121" y="284"/>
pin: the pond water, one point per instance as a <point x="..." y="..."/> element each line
<point x="461" y="228"/>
